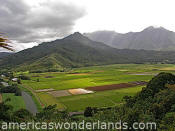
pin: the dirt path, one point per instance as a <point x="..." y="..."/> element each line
<point x="30" y="105"/>
<point x="35" y="95"/>
<point x="0" y="98"/>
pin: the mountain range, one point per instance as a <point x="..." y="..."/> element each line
<point x="151" y="38"/>
<point x="77" y="50"/>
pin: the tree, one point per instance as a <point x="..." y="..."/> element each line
<point x="19" y="81"/>
<point x="22" y="115"/>
<point x="5" y="110"/>
<point x="3" y="43"/>
<point x="88" y="112"/>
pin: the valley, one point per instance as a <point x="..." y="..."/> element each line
<point x="46" y="84"/>
<point x="87" y="65"/>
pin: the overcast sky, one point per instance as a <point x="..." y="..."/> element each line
<point x="29" y="22"/>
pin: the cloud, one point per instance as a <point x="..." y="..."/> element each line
<point x="26" y="24"/>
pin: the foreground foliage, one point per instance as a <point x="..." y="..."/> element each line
<point x="3" y="43"/>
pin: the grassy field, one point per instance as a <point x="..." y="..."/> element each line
<point x="16" y="101"/>
<point x="93" y="76"/>
<point x="99" y="99"/>
<point x="47" y="99"/>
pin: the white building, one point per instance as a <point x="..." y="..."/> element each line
<point x="15" y="79"/>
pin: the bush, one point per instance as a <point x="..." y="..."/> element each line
<point x="1" y="80"/>
<point x="36" y="71"/>
<point x="23" y="77"/>
<point x="11" y="89"/>
<point x="19" y="81"/>
<point x="22" y="115"/>
<point x="46" y="70"/>
<point x="88" y="112"/>
<point x="53" y="70"/>
<point x="18" y="92"/>
<point x="157" y="84"/>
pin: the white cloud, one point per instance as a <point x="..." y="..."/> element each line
<point x="126" y="15"/>
<point x="28" y="23"/>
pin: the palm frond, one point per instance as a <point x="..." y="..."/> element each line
<point x="3" y="43"/>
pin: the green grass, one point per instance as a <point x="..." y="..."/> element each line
<point x="99" y="99"/>
<point x="47" y="99"/>
<point x="97" y="75"/>
<point x="16" y="101"/>
<point x="93" y="76"/>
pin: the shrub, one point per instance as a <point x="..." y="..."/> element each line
<point x="36" y="71"/>
<point x="23" y="77"/>
<point x="88" y="112"/>
<point x="11" y="89"/>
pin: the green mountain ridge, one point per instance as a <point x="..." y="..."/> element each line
<point x="77" y="50"/>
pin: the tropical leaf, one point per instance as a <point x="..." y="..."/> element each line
<point x="3" y="43"/>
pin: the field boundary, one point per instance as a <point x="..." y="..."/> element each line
<point x="116" y="86"/>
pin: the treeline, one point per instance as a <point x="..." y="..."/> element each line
<point x="13" y="88"/>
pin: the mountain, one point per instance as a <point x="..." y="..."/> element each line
<point x="4" y="54"/>
<point x="151" y="38"/>
<point x="77" y="50"/>
<point x="72" y="51"/>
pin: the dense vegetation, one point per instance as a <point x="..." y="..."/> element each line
<point x="76" y="51"/>
<point x="11" y="89"/>
<point x="154" y="103"/>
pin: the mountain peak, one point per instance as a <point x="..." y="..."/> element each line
<point x="77" y="33"/>
<point x="76" y="36"/>
<point x="151" y="28"/>
<point x="151" y="38"/>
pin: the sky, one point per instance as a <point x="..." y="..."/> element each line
<point x="29" y="22"/>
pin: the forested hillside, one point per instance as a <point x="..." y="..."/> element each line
<point x="77" y="50"/>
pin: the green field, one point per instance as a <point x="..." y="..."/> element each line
<point x="99" y="99"/>
<point x="16" y="101"/>
<point x="93" y="76"/>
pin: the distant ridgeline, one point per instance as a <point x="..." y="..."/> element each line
<point x="77" y="50"/>
<point x="4" y="54"/>
<point x="151" y="38"/>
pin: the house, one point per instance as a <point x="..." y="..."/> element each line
<point x="5" y="84"/>
<point x="2" y="75"/>
<point x="15" y="79"/>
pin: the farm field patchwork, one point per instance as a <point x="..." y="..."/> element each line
<point x="48" y="99"/>
<point x="90" y="77"/>
<point x="16" y="101"/>
<point x="99" y="99"/>
<point x="59" y="93"/>
<point x="80" y="91"/>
